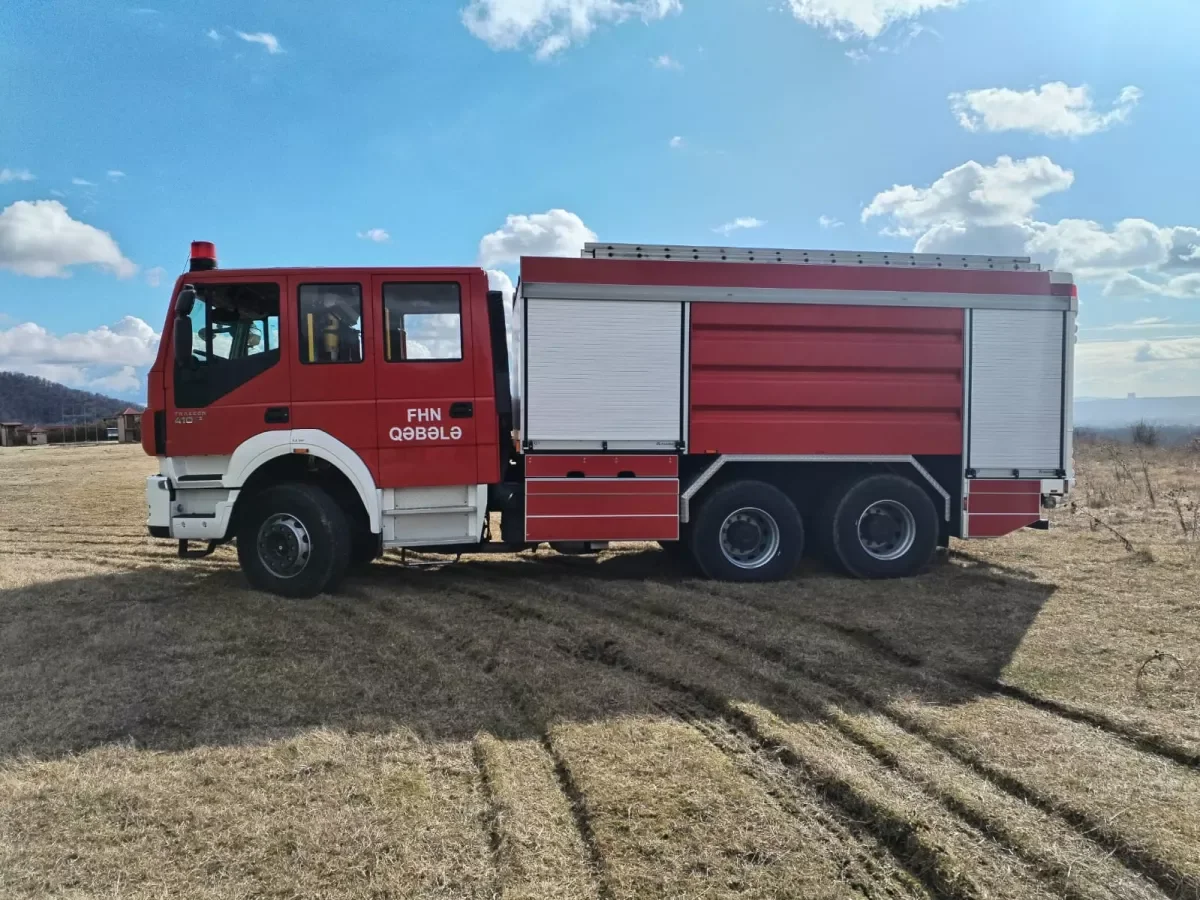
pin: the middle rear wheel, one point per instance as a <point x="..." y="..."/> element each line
<point x="747" y="531"/>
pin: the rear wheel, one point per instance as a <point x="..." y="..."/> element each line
<point x="882" y="526"/>
<point x="294" y="541"/>
<point x="747" y="531"/>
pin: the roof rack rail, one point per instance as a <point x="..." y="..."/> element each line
<point x="808" y="257"/>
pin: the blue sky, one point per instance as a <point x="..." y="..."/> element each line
<point x="470" y="131"/>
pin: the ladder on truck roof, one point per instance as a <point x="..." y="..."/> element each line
<point x="808" y="257"/>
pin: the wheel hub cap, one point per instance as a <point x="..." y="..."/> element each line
<point x="749" y="538"/>
<point x="887" y="530"/>
<point x="284" y="546"/>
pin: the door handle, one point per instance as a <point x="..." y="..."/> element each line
<point x="276" y="415"/>
<point x="462" y="410"/>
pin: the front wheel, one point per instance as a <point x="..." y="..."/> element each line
<point x="294" y="541"/>
<point x="747" y="531"/>
<point x="883" y="526"/>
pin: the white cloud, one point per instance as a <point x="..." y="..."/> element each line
<point x="57" y="193"/>
<point x="847" y="19"/>
<point x="1163" y="367"/>
<point x="103" y="357"/>
<point x="123" y="381"/>
<point x="115" y="174"/>
<point x="268" y="40"/>
<point x="39" y="238"/>
<point x="676" y="143"/>
<point x="858" y="55"/>
<point x="1168" y="350"/>
<point x="1184" y="254"/>
<point x="739" y="224"/>
<point x="378" y="235"/>
<point x="82" y="182"/>
<point x="498" y="280"/>
<point x="666" y="62"/>
<point x="973" y="194"/>
<point x="1088" y="249"/>
<point x="829" y="222"/>
<point x="1055" y="109"/>
<point x="552" y="233"/>
<point x="991" y="210"/>
<point x="213" y="35"/>
<point x="551" y="26"/>
<point x="7" y="175"/>
<point x="1128" y="286"/>
<point x="154" y="276"/>
<point x="1149" y="323"/>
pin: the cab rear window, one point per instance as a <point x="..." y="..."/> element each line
<point x="422" y="322"/>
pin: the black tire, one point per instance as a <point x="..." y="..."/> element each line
<point x="756" y="500"/>
<point x="876" y="517"/>
<point x="329" y="540"/>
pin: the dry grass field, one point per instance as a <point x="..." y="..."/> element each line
<point x="1020" y="721"/>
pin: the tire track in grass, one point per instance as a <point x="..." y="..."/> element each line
<point x="916" y="846"/>
<point x="491" y="811"/>
<point x="857" y="857"/>
<point x="1147" y="742"/>
<point x="863" y="872"/>
<point x="1067" y="858"/>
<point x="579" y="813"/>
<point x="562" y="776"/>
<point x="917" y="836"/>
<point x="1138" y="860"/>
<point x="537" y="849"/>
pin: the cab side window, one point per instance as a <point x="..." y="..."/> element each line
<point x="422" y="322"/>
<point x="330" y="323"/>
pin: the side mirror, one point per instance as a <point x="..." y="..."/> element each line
<point x="185" y="301"/>
<point x="183" y="340"/>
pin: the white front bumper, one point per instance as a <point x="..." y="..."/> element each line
<point x="158" y="502"/>
<point x="195" y="514"/>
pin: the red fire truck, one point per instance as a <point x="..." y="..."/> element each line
<point x="734" y="405"/>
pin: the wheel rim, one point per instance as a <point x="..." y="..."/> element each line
<point x="749" y="537"/>
<point x="284" y="547"/>
<point x="887" y="530"/>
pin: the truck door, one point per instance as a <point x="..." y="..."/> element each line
<point x="427" y="417"/>
<point x="232" y="382"/>
<point x="332" y="370"/>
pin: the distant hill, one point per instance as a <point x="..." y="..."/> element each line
<point x="1104" y="413"/>
<point x="36" y="401"/>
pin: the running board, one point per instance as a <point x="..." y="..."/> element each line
<point x="186" y="553"/>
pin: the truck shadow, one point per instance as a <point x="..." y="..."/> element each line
<point x="170" y="657"/>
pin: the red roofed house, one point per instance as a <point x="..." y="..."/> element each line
<point x="129" y="426"/>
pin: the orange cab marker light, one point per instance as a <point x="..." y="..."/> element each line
<point x="299" y="450"/>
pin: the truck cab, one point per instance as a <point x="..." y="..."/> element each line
<point x="374" y="387"/>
